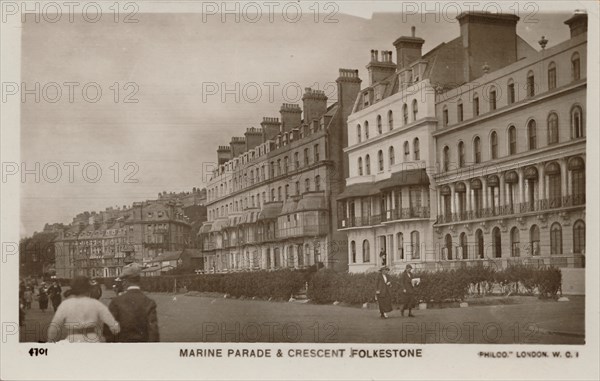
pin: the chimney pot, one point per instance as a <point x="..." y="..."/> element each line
<point x="413" y="31"/>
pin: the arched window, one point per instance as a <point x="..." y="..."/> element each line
<point x="353" y="252"/>
<point x="461" y="154"/>
<point x="512" y="140"/>
<point x="575" y="66"/>
<point x="379" y="127"/>
<point x="475" y="104"/>
<point x="366" y="252"/>
<point x="360" y="166"/>
<point x="510" y="91"/>
<point x="406" y="151"/>
<point x="494" y="145"/>
<point x="577" y="167"/>
<point x="415" y="244"/>
<point x="368" y="164"/>
<point x="530" y="84"/>
<point x="552" y="128"/>
<point x="400" y="244"/>
<point x="366" y="130"/>
<point x="447" y="250"/>
<point x="392" y="156"/>
<point x="446" y="158"/>
<point x="551" y="76"/>
<point x="477" y="150"/>
<point x="554" y="184"/>
<point x="416" y="149"/>
<point x="556" y="239"/>
<point x="577" y="127"/>
<point x="493" y="101"/>
<point x="459" y="112"/>
<point x="497" y="242"/>
<point x="358" y="133"/>
<point x="532" y="134"/>
<point x="390" y="120"/>
<point x="445" y="116"/>
<point x="480" y="245"/>
<point x="405" y="113"/>
<point x="514" y="242"/>
<point x="579" y="237"/>
<point x="415" y="109"/>
<point x="464" y="246"/>
<point x="380" y="160"/>
<point x="534" y="240"/>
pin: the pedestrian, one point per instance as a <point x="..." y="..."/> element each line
<point x="28" y="297"/>
<point x="54" y="292"/>
<point x="408" y="292"/>
<point x="383" y="294"/>
<point x="118" y="286"/>
<point x="82" y="317"/>
<point x="43" y="298"/>
<point x="135" y="312"/>
<point x="96" y="291"/>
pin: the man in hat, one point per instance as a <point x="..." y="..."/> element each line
<point x="135" y="312"/>
<point x="407" y="289"/>
<point x="383" y="293"/>
<point x="96" y="289"/>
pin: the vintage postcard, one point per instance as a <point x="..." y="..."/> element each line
<point x="299" y="190"/>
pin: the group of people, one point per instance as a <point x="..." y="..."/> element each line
<point x="383" y="292"/>
<point x="45" y="292"/>
<point x="129" y="317"/>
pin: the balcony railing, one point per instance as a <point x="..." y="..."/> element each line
<point x="507" y="210"/>
<point x="388" y="215"/>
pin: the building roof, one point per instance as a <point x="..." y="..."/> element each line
<point x="312" y="201"/>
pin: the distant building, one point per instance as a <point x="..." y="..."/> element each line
<point x="270" y="202"/>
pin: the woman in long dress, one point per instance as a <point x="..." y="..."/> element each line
<point x="383" y="293"/>
<point x="81" y="317"/>
<point x="43" y="298"/>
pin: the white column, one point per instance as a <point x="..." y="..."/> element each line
<point x="502" y="189"/>
<point x="452" y="199"/>
<point x="393" y="199"/>
<point x="563" y="177"/>
<point x="484" y="190"/>
<point x="521" y="174"/>
<point x="541" y="182"/>
<point x="468" y="196"/>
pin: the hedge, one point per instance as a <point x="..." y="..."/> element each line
<point x="327" y="286"/>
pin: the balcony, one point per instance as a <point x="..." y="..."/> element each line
<point x="518" y="208"/>
<point x="387" y="216"/>
<point x="303" y="231"/>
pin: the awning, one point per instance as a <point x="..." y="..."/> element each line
<point x="219" y="224"/>
<point x="312" y="201"/>
<point x="289" y="207"/>
<point x="270" y="211"/>
<point x="205" y="228"/>
<point x="359" y="190"/>
<point x="167" y="256"/>
<point x="250" y="217"/>
<point x="402" y="178"/>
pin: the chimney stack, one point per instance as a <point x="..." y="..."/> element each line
<point x="379" y="70"/>
<point x="314" y="104"/>
<point x="238" y="146"/>
<point x="487" y="39"/>
<point x="291" y="116"/>
<point x="408" y="49"/>
<point x="578" y="23"/>
<point x="254" y="138"/>
<point x="270" y="128"/>
<point x="223" y="154"/>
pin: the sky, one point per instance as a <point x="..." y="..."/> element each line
<point x="164" y="124"/>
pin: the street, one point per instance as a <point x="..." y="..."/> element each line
<point x="213" y="318"/>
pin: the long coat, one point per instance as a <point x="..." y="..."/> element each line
<point x="384" y="295"/>
<point x="136" y="314"/>
<point x="407" y="291"/>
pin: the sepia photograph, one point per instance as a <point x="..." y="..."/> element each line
<point x="277" y="184"/>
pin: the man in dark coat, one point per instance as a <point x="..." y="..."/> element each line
<point x="95" y="290"/>
<point x="382" y="292"/>
<point x="55" y="295"/>
<point x="135" y="312"/>
<point x="407" y="290"/>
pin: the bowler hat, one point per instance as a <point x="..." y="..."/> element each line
<point x="408" y="267"/>
<point x="132" y="270"/>
<point x="384" y="268"/>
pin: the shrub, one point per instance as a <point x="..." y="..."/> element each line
<point x="548" y="281"/>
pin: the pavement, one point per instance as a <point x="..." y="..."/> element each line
<point x="213" y="318"/>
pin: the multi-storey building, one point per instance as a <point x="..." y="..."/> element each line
<point x="511" y="143"/>
<point x="270" y="199"/>
<point x="475" y="150"/>
<point x="102" y="245"/>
